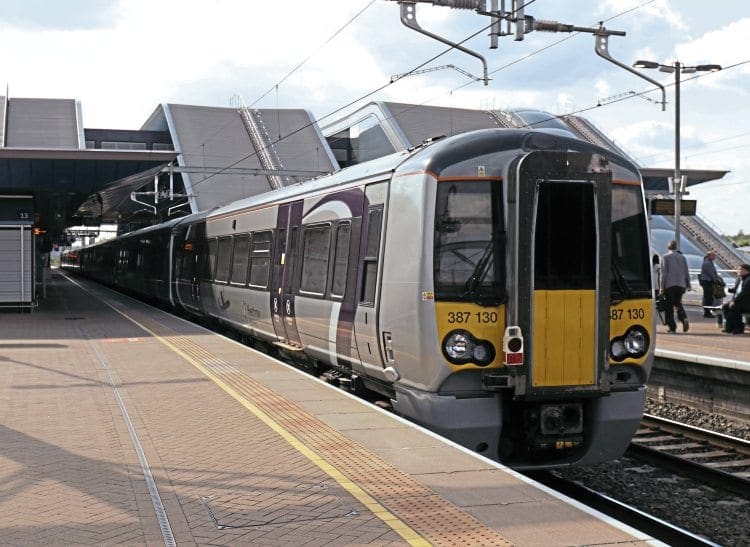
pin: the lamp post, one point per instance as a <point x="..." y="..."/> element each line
<point x="678" y="69"/>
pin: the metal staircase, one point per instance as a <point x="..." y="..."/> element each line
<point x="708" y="238"/>
<point x="505" y="119"/>
<point x="263" y="144"/>
<point x="592" y="134"/>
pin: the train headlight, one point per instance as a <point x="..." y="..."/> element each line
<point x="484" y="353"/>
<point x="460" y="347"/>
<point x="457" y="346"/>
<point x="632" y="345"/>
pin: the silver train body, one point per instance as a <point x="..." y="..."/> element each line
<point x="494" y="285"/>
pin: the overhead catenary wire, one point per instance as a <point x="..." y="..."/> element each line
<point x="349" y="104"/>
<point x="365" y="96"/>
<point x="523" y="58"/>
<point x="277" y="84"/>
<point x="330" y="38"/>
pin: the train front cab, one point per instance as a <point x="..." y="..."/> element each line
<point x="581" y="255"/>
<point x="549" y="257"/>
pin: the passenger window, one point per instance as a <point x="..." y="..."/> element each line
<point x="341" y="260"/>
<point x="315" y="259"/>
<point x="260" y="259"/>
<point x="222" y="259"/>
<point x="239" y="259"/>
<point x="370" y="263"/>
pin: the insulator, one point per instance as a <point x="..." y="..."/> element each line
<point x="459" y="4"/>
<point x="551" y="26"/>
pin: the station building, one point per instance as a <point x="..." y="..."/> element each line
<point x="61" y="183"/>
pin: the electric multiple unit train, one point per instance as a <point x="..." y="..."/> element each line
<point x="495" y="285"/>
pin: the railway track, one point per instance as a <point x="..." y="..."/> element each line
<point x="680" y="484"/>
<point x="713" y="458"/>
<point x="632" y="516"/>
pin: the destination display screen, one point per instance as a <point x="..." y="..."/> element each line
<point x="666" y="207"/>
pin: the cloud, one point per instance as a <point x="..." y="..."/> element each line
<point x="657" y="10"/>
<point x="726" y="46"/>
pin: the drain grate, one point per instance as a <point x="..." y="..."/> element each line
<point x="281" y="504"/>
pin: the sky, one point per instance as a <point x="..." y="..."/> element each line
<point x="122" y="58"/>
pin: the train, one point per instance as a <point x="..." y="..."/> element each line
<point x="495" y="286"/>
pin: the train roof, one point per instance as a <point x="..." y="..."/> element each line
<point x="359" y="172"/>
<point x="447" y="149"/>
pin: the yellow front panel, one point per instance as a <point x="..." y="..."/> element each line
<point x="483" y="322"/>
<point x="564" y="338"/>
<point x="628" y="313"/>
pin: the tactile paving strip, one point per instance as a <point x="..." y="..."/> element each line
<point x="436" y="519"/>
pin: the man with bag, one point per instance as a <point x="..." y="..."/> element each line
<point x="740" y="303"/>
<point x="673" y="282"/>
<point x="710" y="281"/>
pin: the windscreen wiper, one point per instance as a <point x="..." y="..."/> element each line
<point x="621" y="283"/>
<point x="474" y="283"/>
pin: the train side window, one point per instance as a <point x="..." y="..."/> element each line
<point x="239" y="259"/>
<point x="260" y="259"/>
<point x="137" y="264"/>
<point x="223" y="258"/>
<point x="316" y="245"/>
<point x="341" y="259"/>
<point x="370" y="262"/>
<point x="209" y="260"/>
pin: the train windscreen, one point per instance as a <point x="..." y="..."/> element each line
<point x="469" y="242"/>
<point x="630" y="254"/>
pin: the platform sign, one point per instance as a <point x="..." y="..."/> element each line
<point x="666" y="207"/>
<point x="17" y="209"/>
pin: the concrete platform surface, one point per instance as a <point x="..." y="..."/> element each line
<point x="120" y="424"/>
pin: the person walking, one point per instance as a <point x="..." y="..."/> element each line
<point x="655" y="273"/>
<point x="673" y="282"/>
<point x="708" y="279"/>
<point x="740" y="303"/>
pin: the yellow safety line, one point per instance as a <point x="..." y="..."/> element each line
<point x="398" y="526"/>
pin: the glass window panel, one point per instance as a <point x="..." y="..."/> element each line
<point x="315" y="259"/>
<point x="341" y="260"/>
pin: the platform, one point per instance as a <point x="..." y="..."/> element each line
<point x="125" y="425"/>
<point x="704" y="342"/>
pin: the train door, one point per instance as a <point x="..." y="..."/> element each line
<point x="283" y="280"/>
<point x="563" y="232"/>
<point x="366" y="330"/>
<point x="187" y="266"/>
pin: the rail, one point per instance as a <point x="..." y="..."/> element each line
<point x="636" y="518"/>
<point x="716" y="459"/>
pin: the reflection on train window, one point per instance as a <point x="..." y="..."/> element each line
<point x="260" y="259"/>
<point x="315" y="259"/>
<point x="565" y="236"/>
<point x="370" y="262"/>
<point x="185" y="266"/>
<point x="239" y="259"/>
<point x="341" y="260"/>
<point x="469" y="242"/>
<point x="630" y="254"/>
<point x="209" y="261"/>
<point x="222" y="259"/>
